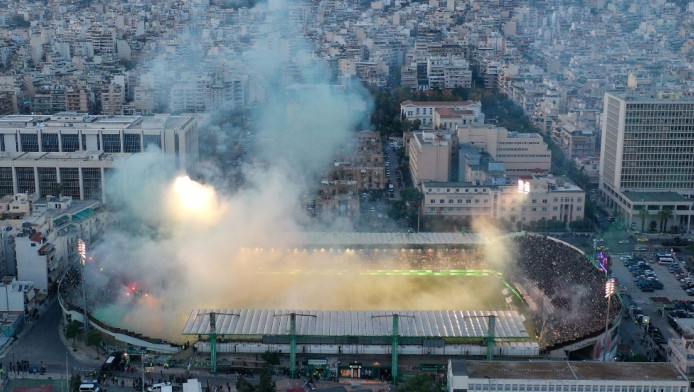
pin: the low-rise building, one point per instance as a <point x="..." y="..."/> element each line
<point x="424" y="111"/>
<point x="525" y="203"/>
<point x="564" y="376"/>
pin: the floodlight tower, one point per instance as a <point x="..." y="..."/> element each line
<point x="395" y="341"/>
<point x="213" y="337"/>
<point x="609" y="290"/>
<point x="490" y="339"/>
<point x="292" y="339"/>
<point x="82" y="251"/>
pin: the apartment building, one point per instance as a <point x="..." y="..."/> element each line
<point x="521" y="153"/>
<point x="424" y="111"/>
<point x="529" y="200"/>
<point x="647" y="155"/>
<point x="112" y="99"/>
<point x="430" y="157"/>
<point x="16" y="295"/>
<point x="78" y="99"/>
<point x="564" y="376"/>
<point x="78" y="150"/>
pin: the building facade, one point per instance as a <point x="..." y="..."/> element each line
<point x="647" y="155"/>
<point x="528" y="201"/>
<point x="77" y="150"/>
<point x="430" y="157"/>
<point x="564" y="376"/>
<point x="424" y="111"/>
<point x="521" y="153"/>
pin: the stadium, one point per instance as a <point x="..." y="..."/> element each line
<point x="373" y="296"/>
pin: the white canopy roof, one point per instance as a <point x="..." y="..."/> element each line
<point x="430" y="323"/>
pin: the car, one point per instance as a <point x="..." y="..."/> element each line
<point x="642" y="239"/>
<point x="158" y="386"/>
<point x="623" y="241"/>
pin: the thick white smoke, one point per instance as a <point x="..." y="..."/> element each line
<point x="183" y="245"/>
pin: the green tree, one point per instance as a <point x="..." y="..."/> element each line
<point x="94" y="338"/>
<point x="271" y="358"/>
<point x="421" y="383"/>
<point x="57" y="189"/>
<point x="243" y="385"/>
<point x="653" y="225"/>
<point x="643" y="215"/>
<point x="75" y="382"/>
<point x="266" y="383"/>
<point x="664" y="215"/>
<point x="72" y="330"/>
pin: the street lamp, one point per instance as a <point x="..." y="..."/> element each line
<point x="82" y="251"/>
<point x="609" y="290"/>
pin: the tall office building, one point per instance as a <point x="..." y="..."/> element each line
<point x="78" y="151"/>
<point x="647" y="156"/>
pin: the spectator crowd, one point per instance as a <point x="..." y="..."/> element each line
<point x="575" y="290"/>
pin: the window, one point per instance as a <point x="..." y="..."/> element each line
<point x="70" y="143"/>
<point x="131" y="143"/>
<point x="30" y="142"/>
<point x="49" y="142"/>
<point x="442" y="201"/>
<point x="111" y="143"/>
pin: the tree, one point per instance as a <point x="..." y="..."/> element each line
<point x="421" y="383"/>
<point x="653" y="225"/>
<point x="243" y="385"/>
<point x="57" y="189"/>
<point x="664" y="215"/>
<point x="94" y="338"/>
<point x="72" y="330"/>
<point x="643" y="215"/>
<point x="271" y="358"/>
<point x="75" y="382"/>
<point x="266" y="383"/>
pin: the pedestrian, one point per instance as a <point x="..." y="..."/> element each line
<point x="228" y="387"/>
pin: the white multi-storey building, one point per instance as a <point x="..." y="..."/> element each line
<point x="77" y="150"/>
<point x="647" y="156"/>
<point x="527" y="201"/>
<point x="564" y="376"/>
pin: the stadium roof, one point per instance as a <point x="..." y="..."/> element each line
<point x="429" y="323"/>
<point x="354" y="239"/>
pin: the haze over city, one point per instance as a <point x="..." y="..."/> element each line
<point x="499" y="179"/>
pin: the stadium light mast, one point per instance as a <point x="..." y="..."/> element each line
<point x="609" y="291"/>
<point x="396" y="340"/>
<point x="292" y="339"/>
<point x="82" y="252"/>
<point x="490" y="339"/>
<point x="213" y="337"/>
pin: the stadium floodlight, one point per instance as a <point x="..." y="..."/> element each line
<point x="82" y="251"/>
<point x="609" y="287"/>
<point x="609" y="290"/>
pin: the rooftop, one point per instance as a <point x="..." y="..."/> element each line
<point x="432" y="323"/>
<point x="667" y="196"/>
<point x="574" y="370"/>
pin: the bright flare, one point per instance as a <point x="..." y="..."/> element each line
<point x="191" y="200"/>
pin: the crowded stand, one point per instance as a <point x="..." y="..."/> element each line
<point x="573" y="286"/>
